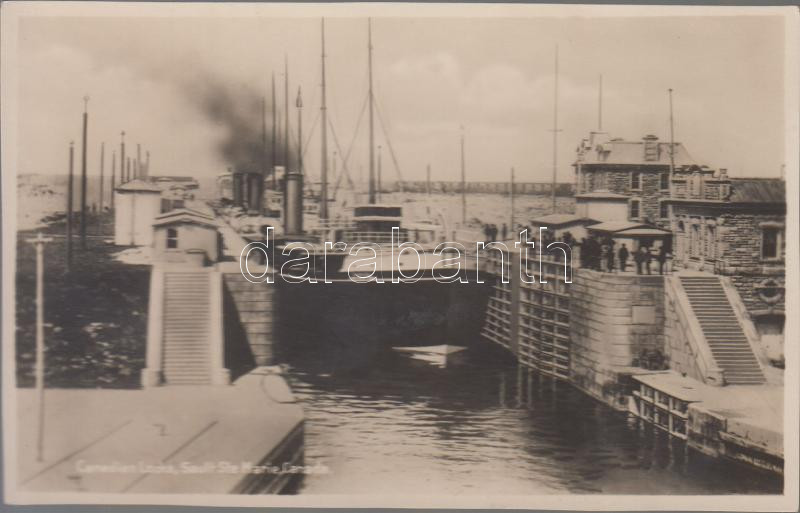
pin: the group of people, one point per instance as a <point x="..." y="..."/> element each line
<point x="491" y="232"/>
<point x="599" y="254"/>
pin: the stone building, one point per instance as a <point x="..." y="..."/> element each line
<point x="734" y="227"/>
<point x="634" y="171"/>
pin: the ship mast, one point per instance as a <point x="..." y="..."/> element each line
<point x="371" y="118"/>
<point x="273" y="159"/>
<point x="323" y="208"/>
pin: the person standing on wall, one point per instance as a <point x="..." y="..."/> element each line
<point x="662" y="257"/>
<point x="640" y="257"/>
<point x="610" y="256"/>
<point x="623" y="258"/>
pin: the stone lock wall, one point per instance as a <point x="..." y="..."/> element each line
<point x="249" y="319"/>
<point x="616" y="325"/>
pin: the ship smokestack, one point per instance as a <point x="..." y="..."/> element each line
<point x="294" y="181"/>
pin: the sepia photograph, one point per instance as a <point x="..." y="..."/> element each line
<point x="400" y="255"/>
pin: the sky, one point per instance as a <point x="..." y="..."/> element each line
<point x="156" y="77"/>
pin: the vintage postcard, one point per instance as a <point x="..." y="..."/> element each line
<point x="400" y="255"/>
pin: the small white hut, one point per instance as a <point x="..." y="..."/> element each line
<point x="136" y="205"/>
<point x="181" y="233"/>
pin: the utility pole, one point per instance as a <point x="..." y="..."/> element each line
<point x="39" y="242"/>
<point x="323" y="211"/>
<point x="147" y="164"/>
<point x="83" y="172"/>
<point x="138" y="165"/>
<point x="511" y="190"/>
<point x="113" y="176"/>
<point x="333" y="170"/>
<point x="128" y="169"/>
<point x="555" y="133"/>
<point x="378" y="191"/>
<point x="428" y="179"/>
<point x="600" y="105"/>
<point x="671" y="144"/>
<point x="122" y="177"/>
<point x="102" y="174"/>
<point x="371" y="117"/>
<point x="69" y="204"/>
<point x="463" y="183"/>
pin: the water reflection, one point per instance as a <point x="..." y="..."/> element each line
<point x="480" y="425"/>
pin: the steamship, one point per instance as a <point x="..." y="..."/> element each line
<point x="347" y="314"/>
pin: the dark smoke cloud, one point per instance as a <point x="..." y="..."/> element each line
<point x="236" y="108"/>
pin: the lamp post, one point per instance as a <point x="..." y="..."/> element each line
<point x="39" y="242"/>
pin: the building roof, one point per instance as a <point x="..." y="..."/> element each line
<point x="172" y="178"/>
<point x="185" y="215"/>
<point x="605" y="195"/>
<point x="601" y="149"/>
<point x="644" y="232"/>
<point x="758" y="190"/>
<point x="561" y="220"/>
<point x="138" y="186"/>
<point x="672" y="383"/>
<point x="617" y="226"/>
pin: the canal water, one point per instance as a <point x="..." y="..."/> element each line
<point x="480" y="425"/>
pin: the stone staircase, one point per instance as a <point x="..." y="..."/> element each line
<point x="724" y="334"/>
<point x="186" y="346"/>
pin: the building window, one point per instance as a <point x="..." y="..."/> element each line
<point x="770" y="242"/>
<point x="664" y="181"/>
<point x="635" y="209"/>
<point x="697" y="185"/>
<point x="694" y="241"/>
<point x="663" y="210"/>
<point x="711" y="242"/>
<point x="172" y="238"/>
<point x="636" y="180"/>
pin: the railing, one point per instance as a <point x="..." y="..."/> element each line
<point x="745" y="322"/>
<point x="352" y="236"/>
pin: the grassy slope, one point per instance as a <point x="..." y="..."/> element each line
<point x="95" y="316"/>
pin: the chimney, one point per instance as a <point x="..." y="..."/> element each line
<point x="650" y="148"/>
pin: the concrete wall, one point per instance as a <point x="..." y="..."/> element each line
<point x="615" y="319"/>
<point x="249" y="316"/>
<point x="685" y="345"/>
<point x="134" y="213"/>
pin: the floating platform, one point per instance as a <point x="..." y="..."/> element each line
<point x="742" y="423"/>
